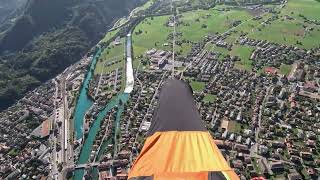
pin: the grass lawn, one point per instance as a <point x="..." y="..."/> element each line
<point x="110" y="35"/>
<point x="209" y="46"/>
<point x="111" y="53"/>
<point x="309" y="8"/>
<point x="223" y="51"/>
<point x="144" y="6"/>
<point x="197" y="86"/>
<point x="285" y="31"/>
<point x="184" y="49"/>
<point x="209" y="98"/>
<point x="282" y="32"/>
<point x="244" y="52"/>
<point x="13" y="152"/>
<point x="216" y="22"/>
<point x="285" y="69"/>
<point x="234" y="127"/>
<point x="154" y="35"/>
<point x="154" y="32"/>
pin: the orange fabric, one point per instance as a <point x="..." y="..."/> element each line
<point x="179" y="152"/>
<point x="182" y="176"/>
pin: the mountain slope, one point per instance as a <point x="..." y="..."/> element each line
<point x="48" y="36"/>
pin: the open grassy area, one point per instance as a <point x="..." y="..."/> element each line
<point x="223" y="51"/>
<point x="144" y="6"/>
<point x="111" y="53"/>
<point x="244" y="52"/>
<point x="152" y="32"/>
<point x="287" y="32"/>
<point x="197" y="86"/>
<point x="184" y="49"/>
<point x="295" y="30"/>
<point x="154" y="35"/>
<point x="195" y="25"/>
<point x="234" y="127"/>
<point x="110" y="35"/>
<point x="209" y="98"/>
<point x="215" y="21"/>
<point x="309" y="8"/>
<point x="285" y="69"/>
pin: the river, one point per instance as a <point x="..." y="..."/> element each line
<point x="86" y="102"/>
<point x="95" y="128"/>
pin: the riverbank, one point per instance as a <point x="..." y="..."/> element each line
<point x="84" y="102"/>
<point x="118" y="101"/>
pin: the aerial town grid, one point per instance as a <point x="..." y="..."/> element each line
<point x="260" y="99"/>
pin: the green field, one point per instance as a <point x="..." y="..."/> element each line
<point x="244" y="52"/>
<point x="285" y="69"/>
<point x="111" y="53"/>
<point x="216" y="22"/>
<point x="109" y="35"/>
<point x="234" y="127"/>
<point x="197" y="86"/>
<point x="309" y="8"/>
<point x="290" y="28"/>
<point x="154" y="35"/>
<point x="293" y="31"/>
<point x="144" y="6"/>
<point x="209" y="98"/>
<point x="184" y="49"/>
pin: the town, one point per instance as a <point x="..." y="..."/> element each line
<point x="258" y="95"/>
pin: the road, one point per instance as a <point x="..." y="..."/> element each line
<point x="102" y="140"/>
<point x="53" y="138"/>
<point x="98" y="86"/>
<point x="254" y="148"/>
<point x="61" y="130"/>
<point x="151" y="102"/>
<point x="139" y="97"/>
<point x="115" y="80"/>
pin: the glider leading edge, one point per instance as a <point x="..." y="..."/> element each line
<point x="178" y="145"/>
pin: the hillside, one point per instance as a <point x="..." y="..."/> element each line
<point x="47" y="36"/>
